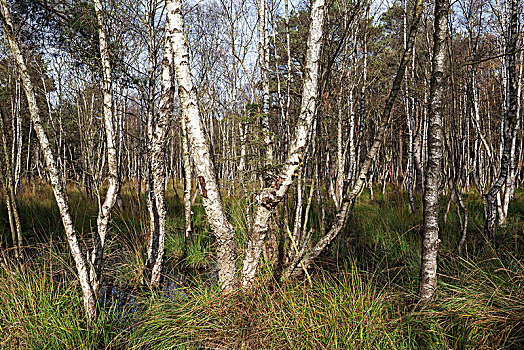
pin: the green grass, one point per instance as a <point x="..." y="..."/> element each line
<point x="362" y="296"/>
<point x="337" y="312"/>
<point x="41" y="307"/>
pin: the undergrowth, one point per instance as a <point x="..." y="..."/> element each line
<point x="362" y="293"/>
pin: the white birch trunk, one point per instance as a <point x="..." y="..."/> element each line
<point x="104" y="210"/>
<point x="340" y="146"/>
<point x="510" y="179"/>
<point x="200" y="152"/>
<point x="270" y="197"/>
<point x="410" y="108"/>
<point x="263" y="45"/>
<point x="158" y="146"/>
<point x="187" y="180"/>
<point x="58" y="190"/>
<point x="430" y="242"/>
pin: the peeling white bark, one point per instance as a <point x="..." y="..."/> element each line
<point x="200" y="152"/>
<point x="187" y="180"/>
<point x="58" y="190"/>
<point x="104" y="210"/>
<point x="263" y="53"/>
<point x="270" y="197"/>
<point x="430" y="242"/>
<point x="156" y="248"/>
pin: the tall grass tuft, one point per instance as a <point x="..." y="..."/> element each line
<point x="41" y="307"/>
<point x="345" y="312"/>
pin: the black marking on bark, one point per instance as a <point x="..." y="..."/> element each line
<point x="269" y="198"/>
<point x="202" y="183"/>
<point x="266" y="202"/>
<point x="276" y="185"/>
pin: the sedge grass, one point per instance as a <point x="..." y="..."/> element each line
<point x="366" y="302"/>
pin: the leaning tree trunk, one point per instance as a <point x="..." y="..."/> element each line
<point x="156" y="247"/>
<point x="58" y="189"/>
<point x="339" y="179"/>
<point x="510" y="118"/>
<point x="270" y="197"/>
<point x="200" y="152"/>
<point x="410" y="109"/>
<point x="428" y="267"/>
<point x="360" y="180"/>
<point x="104" y="210"/>
<point x="149" y="100"/>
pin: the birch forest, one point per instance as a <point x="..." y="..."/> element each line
<point x="261" y="174"/>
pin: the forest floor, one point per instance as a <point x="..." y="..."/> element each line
<point x="361" y="295"/>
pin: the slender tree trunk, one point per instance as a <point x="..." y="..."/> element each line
<point x="121" y="130"/>
<point x="105" y="208"/>
<point x="431" y="197"/>
<point x="155" y="247"/>
<point x="200" y="152"/>
<point x="463" y="236"/>
<point x="59" y="191"/>
<point x="351" y="148"/>
<point x="410" y="109"/>
<point x="160" y="130"/>
<point x="417" y="157"/>
<point x="270" y="197"/>
<point x="263" y="45"/>
<point x="187" y="180"/>
<point x="28" y="158"/>
<point x="288" y="83"/>
<point x="339" y="184"/>
<point x="354" y="151"/>
<point x="297" y="224"/>
<point x="476" y="116"/>
<point x="17" y="140"/>
<point x="10" y="198"/>
<point x="509" y="121"/>
<point x="510" y="179"/>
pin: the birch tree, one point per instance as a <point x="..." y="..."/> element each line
<point x="510" y="120"/>
<point x="263" y="57"/>
<point x="200" y="152"/>
<point x="105" y="208"/>
<point x="81" y="262"/>
<point x="431" y="197"/>
<point x="156" y="247"/>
